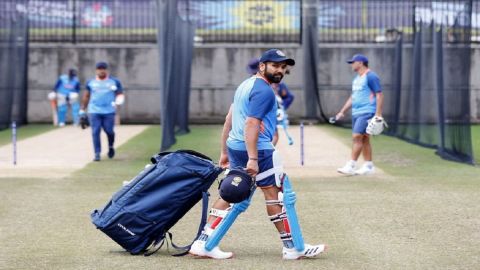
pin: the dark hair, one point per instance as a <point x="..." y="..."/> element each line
<point x="365" y="64"/>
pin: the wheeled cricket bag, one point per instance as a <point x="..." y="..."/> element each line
<point x="141" y="213"/>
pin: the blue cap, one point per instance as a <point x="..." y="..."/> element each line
<point x="275" y="55"/>
<point x="252" y="66"/>
<point x="101" y="65"/>
<point x="358" y="58"/>
<point x="236" y="186"/>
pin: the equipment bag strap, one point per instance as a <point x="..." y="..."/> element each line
<point x="184" y="249"/>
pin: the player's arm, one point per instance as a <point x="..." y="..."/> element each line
<point x="252" y="129"/>
<point x="119" y="95"/>
<point x="287" y="96"/>
<point x="345" y="108"/>
<point x="57" y="85"/>
<point x="227" y="126"/>
<point x="374" y="84"/>
<point x="262" y="100"/>
<point x="85" y="99"/>
<point x="379" y="110"/>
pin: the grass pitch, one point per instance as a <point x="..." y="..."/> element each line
<point x="422" y="215"/>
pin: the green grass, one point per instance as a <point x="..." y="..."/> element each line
<point x="421" y="214"/>
<point x="23" y="132"/>
<point x="476" y="142"/>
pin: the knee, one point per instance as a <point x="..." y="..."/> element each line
<point x="357" y="138"/>
<point x="271" y="192"/>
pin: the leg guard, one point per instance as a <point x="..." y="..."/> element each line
<point x="62" y="108"/>
<point x="289" y="199"/>
<point x="226" y="223"/>
<point x="75" y="104"/>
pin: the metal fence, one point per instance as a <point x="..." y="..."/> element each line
<point x="267" y="21"/>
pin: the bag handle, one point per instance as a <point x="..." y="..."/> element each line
<point x="184" y="249"/>
<point x="156" y="158"/>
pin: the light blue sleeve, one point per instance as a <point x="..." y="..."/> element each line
<point x="262" y="99"/>
<point x="374" y="82"/>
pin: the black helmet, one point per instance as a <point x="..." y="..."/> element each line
<point x="236" y="186"/>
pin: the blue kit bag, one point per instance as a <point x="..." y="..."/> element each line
<point x="139" y="216"/>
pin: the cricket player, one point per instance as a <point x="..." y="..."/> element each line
<point x="66" y="92"/>
<point x="247" y="143"/>
<point x="103" y="94"/>
<point x="284" y="97"/>
<point x="366" y="102"/>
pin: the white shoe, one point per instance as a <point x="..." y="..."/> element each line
<point x="198" y="249"/>
<point x="308" y="252"/>
<point x="348" y="169"/>
<point x="365" y="170"/>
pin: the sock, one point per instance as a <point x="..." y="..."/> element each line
<point x="352" y="162"/>
<point x="286" y="239"/>
<point x="369" y="164"/>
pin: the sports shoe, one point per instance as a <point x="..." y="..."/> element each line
<point x="348" y="169"/>
<point x="111" y="152"/>
<point x="198" y="249"/>
<point x="97" y="157"/>
<point x="308" y="252"/>
<point x="365" y="170"/>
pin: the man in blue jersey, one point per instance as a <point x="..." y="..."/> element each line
<point x="247" y="143"/>
<point x="103" y="94"/>
<point x="66" y="93"/>
<point x="366" y="102"/>
<point x="284" y="96"/>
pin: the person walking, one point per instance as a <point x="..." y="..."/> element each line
<point x="102" y="95"/>
<point x="247" y="143"/>
<point x="366" y="102"/>
<point x="66" y="92"/>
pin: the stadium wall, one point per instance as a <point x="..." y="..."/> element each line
<point x="217" y="70"/>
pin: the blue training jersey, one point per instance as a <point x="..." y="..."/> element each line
<point x="364" y="89"/>
<point x="254" y="97"/>
<point x="65" y="85"/>
<point x="102" y="94"/>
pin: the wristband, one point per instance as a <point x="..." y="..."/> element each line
<point x="252" y="158"/>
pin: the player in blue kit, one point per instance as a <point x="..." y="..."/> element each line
<point x="103" y="94"/>
<point x="247" y="144"/>
<point x="366" y="102"/>
<point x="66" y="92"/>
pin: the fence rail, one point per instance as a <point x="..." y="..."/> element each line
<point x="266" y="21"/>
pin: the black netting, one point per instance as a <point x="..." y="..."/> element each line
<point x="13" y="63"/>
<point x="426" y="78"/>
<point x="175" y="43"/>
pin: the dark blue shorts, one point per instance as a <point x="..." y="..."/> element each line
<point x="239" y="159"/>
<point x="360" y="123"/>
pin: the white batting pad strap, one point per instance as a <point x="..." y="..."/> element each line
<point x="218" y="212"/>
<point x="278" y="217"/>
<point x="265" y="174"/>
<point x="286" y="236"/>
<point x="273" y="202"/>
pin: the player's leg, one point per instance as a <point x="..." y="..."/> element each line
<point x="367" y="167"/>
<point x="75" y="104"/>
<point x="96" y="125"/>
<point x="219" y="211"/>
<point x="62" y="108"/>
<point x="108" y="126"/>
<point x="274" y="199"/>
<point x="359" y="126"/>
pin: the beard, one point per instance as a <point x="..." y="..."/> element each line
<point x="273" y="78"/>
